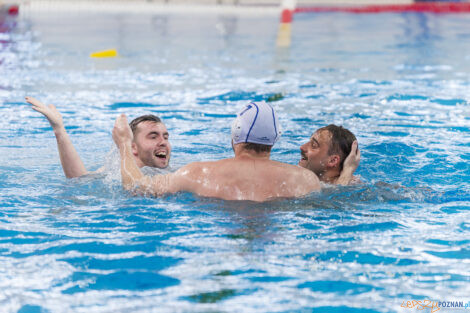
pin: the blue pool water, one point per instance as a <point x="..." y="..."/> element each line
<point x="400" y="82"/>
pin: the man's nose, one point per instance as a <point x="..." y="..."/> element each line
<point x="162" y="141"/>
<point x="303" y="148"/>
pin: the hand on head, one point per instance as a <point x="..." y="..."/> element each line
<point x="352" y="161"/>
<point x="50" y="112"/>
<point x="122" y="133"/>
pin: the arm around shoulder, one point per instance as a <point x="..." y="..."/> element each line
<point x="160" y="185"/>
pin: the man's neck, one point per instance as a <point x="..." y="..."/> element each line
<point x="250" y="154"/>
<point x="242" y="153"/>
<point x="139" y="162"/>
<point x="330" y="176"/>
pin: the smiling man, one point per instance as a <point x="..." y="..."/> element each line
<point x="325" y="153"/>
<point x="150" y="145"/>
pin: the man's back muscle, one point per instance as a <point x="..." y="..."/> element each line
<point x="245" y="179"/>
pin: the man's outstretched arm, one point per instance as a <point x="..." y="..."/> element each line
<point x="350" y="165"/>
<point x="69" y="158"/>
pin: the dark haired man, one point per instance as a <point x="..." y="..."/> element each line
<point x="150" y="145"/>
<point x="249" y="175"/>
<point x="325" y="153"/>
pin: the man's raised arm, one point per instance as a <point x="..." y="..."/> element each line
<point x="349" y="166"/>
<point x="69" y="158"/>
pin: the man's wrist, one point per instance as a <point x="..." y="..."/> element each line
<point x="59" y="130"/>
<point x="347" y="172"/>
<point x="123" y="145"/>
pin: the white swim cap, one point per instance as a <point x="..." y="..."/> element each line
<point x="256" y="123"/>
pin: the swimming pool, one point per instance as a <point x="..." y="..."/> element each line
<point x="400" y="82"/>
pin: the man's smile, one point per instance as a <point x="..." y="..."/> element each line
<point x="161" y="154"/>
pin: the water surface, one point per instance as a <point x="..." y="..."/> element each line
<point x="400" y="82"/>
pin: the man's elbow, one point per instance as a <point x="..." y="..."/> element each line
<point x="142" y="186"/>
<point x="70" y="175"/>
<point x="128" y="186"/>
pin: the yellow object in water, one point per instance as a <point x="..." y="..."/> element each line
<point x="104" y="54"/>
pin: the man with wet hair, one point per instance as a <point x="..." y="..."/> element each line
<point x="150" y="145"/>
<point x="325" y="153"/>
<point x="249" y="175"/>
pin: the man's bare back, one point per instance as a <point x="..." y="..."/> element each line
<point x="244" y="177"/>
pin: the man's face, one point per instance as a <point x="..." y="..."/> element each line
<point x="151" y="146"/>
<point x="314" y="153"/>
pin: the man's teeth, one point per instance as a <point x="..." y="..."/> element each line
<point x="160" y="154"/>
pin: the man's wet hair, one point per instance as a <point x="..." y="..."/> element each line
<point x="144" y="118"/>
<point x="340" y="143"/>
<point x="256" y="147"/>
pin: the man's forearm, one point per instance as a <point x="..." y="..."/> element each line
<point x="130" y="172"/>
<point x="72" y="165"/>
<point x="350" y="165"/>
<point x="345" y="178"/>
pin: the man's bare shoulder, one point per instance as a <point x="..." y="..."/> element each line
<point x="307" y="176"/>
<point x="193" y="172"/>
<point x="296" y="170"/>
<point x="198" y="167"/>
<point x="301" y="176"/>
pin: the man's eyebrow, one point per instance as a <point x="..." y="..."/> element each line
<point x="313" y="139"/>
<point x="158" y="133"/>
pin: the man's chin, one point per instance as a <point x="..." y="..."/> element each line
<point x="160" y="163"/>
<point x="302" y="163"/>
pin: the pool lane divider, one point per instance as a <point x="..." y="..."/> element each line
<point x="419" y="7"/>
<point x="285" y="27"/>
<point x="111" y="53"/>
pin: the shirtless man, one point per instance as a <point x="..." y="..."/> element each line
<point x="250" y="175"/>
<point x="326" y="151"/>
<point x="149" y="147"/>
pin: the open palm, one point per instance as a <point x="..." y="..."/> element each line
<point x="50" y="112"/>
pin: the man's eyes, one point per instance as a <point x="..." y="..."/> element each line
<point x="155" y="137"/>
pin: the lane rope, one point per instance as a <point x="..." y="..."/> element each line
<point x="430" y="7"/>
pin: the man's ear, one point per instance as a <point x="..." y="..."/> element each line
<point x="333" y="160"/>
<point x="134" y="148"/>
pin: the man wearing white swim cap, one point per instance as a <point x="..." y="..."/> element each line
<point x="249" y="175"/>
<point x="150" y="145"/>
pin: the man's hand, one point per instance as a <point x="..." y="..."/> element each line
<point x="50" y="112"/>
<point x="122" y="133"/>
<point x="69" y="158"/>
<point x="349" y="166"/>
<point x="352" y="161"/>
